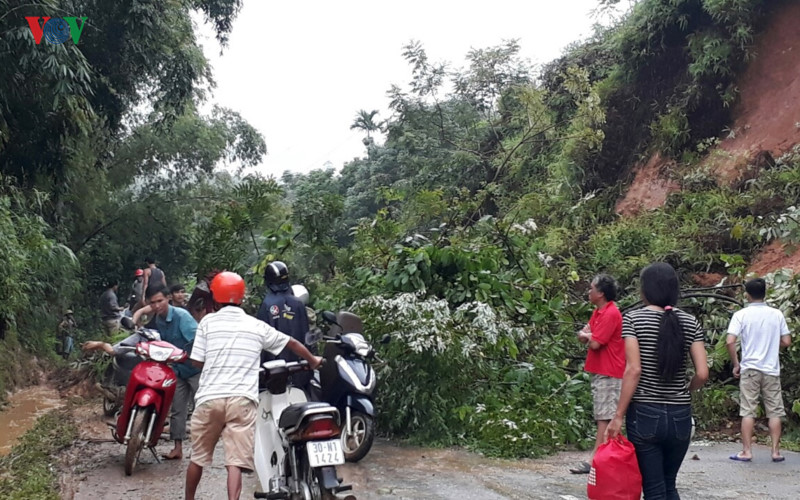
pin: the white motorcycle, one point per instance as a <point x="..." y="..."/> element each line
<point x="297" y="444"/>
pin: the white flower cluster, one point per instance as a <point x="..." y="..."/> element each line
<point x="545" y="259"/>
<point x="430" y="326"/>
<point x="526" y="228"/>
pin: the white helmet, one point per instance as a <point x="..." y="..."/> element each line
<point x="301" y="293"/>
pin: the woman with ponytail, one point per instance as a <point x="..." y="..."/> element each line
<point x="655" y="401"/>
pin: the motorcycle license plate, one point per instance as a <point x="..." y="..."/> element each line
<point x="323" y="453"/>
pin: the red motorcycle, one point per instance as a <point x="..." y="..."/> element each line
<point x="148" y="398"/>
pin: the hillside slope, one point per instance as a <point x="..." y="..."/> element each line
<point x="766" y="124"/>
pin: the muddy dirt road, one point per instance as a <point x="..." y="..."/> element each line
<point x="393" y="472"/>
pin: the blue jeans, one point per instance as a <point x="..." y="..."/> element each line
<point x="660" y="433"/>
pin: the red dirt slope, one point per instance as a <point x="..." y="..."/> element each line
<point x="649" y="189"/>
<point x="766" y="123"/>
<point x="767" y="116"/>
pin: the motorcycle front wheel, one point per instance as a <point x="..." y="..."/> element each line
<point x="136" y="442"/>
<point x="357" y="443"/>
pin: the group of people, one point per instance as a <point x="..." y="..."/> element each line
<point x="639" y="365"/>
<point x="225" y="347"/>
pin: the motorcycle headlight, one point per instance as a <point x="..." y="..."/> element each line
<point x="160" y="354"/>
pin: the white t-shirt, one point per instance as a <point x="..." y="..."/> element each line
<point x="229" y="343"/>
<point x="760" y="328"/>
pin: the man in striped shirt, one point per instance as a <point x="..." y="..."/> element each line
<point x="228" y="347"/>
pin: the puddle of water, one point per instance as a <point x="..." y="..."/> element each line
<point x="25" y="407"/>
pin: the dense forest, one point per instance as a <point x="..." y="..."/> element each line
<point x="468" y="230"/>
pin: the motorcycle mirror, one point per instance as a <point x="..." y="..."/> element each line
<point x="329" y="317"/>
<point x="386" y="339"/>
<point x="313" y="337"/>
<point x="150" y="334"/>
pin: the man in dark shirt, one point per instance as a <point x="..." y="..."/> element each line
<point x="110" y="309"/>
<point x="284" y="312"/>
<point x="153" y="276"/>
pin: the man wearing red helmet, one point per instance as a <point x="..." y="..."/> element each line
<point x="137" y="289"/>
<point x="228" y="347"/>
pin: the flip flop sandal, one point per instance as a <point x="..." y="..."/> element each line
<point x="583" y="468"/>
<point x="739" y="459"/>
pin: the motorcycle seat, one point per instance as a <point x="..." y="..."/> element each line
<point x="292" y="415"/>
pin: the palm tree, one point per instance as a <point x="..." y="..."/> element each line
<point x="366" y="121"/>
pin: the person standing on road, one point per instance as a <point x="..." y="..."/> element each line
<point x="605" y="359"/>
<point x="655" y="399"/>
<point x="177" y="327"/>
<point x="228" y="349"/>
<point x="762" y="331"/>
<point x="110" y="309"/>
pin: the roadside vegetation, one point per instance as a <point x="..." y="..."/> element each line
<point x="469" y="230"/>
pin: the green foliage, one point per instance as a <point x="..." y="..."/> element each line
<point x="29" y="470"/>
<point x="227" y="239"/>
<point x="456" y="374"/>
<point x="671" y="131"/>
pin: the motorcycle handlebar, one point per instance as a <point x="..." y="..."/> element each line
<point x="291" y="366"/>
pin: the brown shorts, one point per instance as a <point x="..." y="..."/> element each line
<point x="605" y="393"/>
<point x="232" y="418"/>
<point x="754" y="384"/>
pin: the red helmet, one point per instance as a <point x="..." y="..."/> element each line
<point x="139" y="272"/>
<point x="227" y="288"/>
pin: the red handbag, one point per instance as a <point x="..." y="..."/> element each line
<point x="615" y="472"/>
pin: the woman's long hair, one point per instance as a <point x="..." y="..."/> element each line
<point x="659" y="283"/>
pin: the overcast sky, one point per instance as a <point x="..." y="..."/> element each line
<point x="300" y="71"/>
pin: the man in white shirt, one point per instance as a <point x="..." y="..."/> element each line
<point x="762" y="331"/>
<point x="228" y="347"/>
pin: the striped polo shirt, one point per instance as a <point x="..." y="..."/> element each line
<point x="643" y="325"/>
<point x="229" y="343"/>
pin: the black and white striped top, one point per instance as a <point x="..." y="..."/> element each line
<point x="643" y="324"/>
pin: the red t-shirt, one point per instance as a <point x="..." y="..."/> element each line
<point x="606" y="326"/>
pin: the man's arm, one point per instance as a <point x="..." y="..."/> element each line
<point x="115" y="304"/>
<point x="730" y="343"/>
<point x="145" y="283"/>
<point x="604" y="331"/>
<point x="786" y="340"/>
<point x="299" y="349"/>
<point x="198" y="351"/>
<point x="137" y="315"/>
<point x="96" y="345"/>
<point x="700" y="361"/>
